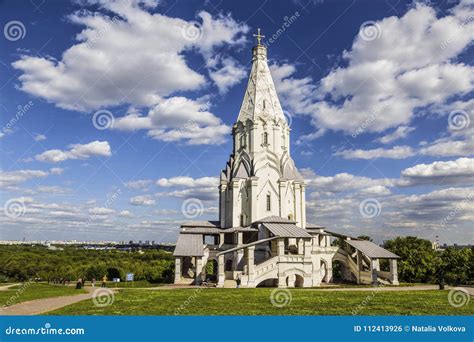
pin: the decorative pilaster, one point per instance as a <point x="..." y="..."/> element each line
<point x="251" y="266"/>
<point x="221" y="272"/>
<point x="394" y="272"/>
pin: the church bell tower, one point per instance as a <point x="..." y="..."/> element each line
<point x="260" y="178"/>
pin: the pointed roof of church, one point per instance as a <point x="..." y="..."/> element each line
<point x="260" y="99"/>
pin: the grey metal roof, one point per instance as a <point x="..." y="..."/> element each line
<point x="286" y="230"/>
<point x="274" y="219"/>
<point x="189" y="245"/>
<point x="201" y="230"/>
<point x="371" y="249"/>
<point x="247" y="245"/>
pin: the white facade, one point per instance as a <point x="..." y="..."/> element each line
<point x="260" y="178"/>
<point x="262" y="237"/>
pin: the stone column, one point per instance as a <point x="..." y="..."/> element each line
<point x="300" y="246"/>
<point x="251" y="265"/>
<point x="393" y="272"/>
<point x="221" y="239"/>
<point x="199" y="275"/>
<point x="221" y="272"/>
<point x="177" y="270"/>
<point x="316" y="270"/>
<point x="281" y="246"/>
<point x="373" y="268"/>
<point x="239" y="254"/>
<point x="307" y="248"/>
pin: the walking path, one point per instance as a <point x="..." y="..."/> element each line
<point x="40" y="306"/>
<point x="6" y="287"/>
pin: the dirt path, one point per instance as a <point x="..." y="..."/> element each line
<point x="39" y="306"/>
<point x="6" y="287"/>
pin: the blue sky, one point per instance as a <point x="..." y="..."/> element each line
<point x="116" y="115"/>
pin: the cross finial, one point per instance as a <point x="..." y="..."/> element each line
<point x="258" y="36"/>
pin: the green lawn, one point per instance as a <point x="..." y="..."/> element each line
<point x="257" y="302"/>
<point x="29" y="291"/>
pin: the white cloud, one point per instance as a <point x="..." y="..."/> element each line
<point x="125" y="213"/>
<point x="382" y="86"/>
<point x="188" y="182"/>
<point x="178" y="118"/>
<point x="397" y="152"/>
<point x="139" y="184"/>
<point x="56" y="171"/>
<point x="11" y="178"/>
<point x="399" y="133"/>
<point x="441" y="172"/>
<point x="142" y="200"/>
<point x="228" y="75"/>
<point x="39" y="137"/>
<point x="101" y="211"/>
<point x="76" y="151"/>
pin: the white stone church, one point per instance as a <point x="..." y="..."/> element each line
<point x="262" y="237"/>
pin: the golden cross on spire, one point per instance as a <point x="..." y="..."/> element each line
<point x="258" y="36"/>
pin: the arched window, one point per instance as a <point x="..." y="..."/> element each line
<point x="269" y="202"/>
<point x="265" y="138"/>
<point x="264" y="104"/>
<point x="242" y="220"/>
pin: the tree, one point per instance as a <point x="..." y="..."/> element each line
<point x="419" y="262"/>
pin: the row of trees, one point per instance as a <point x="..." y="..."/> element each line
<point x="420" y="263"/>
<point x="27" y="262"/>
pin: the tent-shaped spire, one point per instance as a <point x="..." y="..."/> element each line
<point x="260" y="99"/>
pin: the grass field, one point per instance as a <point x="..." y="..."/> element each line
<point x="29" y="291"/>
<point x="257" y="302"/>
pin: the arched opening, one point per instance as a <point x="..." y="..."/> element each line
<point x="338" y="271"/>
<point x="273" y="282"/>
<point x="299" y="280"/>
<point x="188" y="270"/>
<point x="210" y="270"/>
<point x="228" y="265"/>
<point x="324" y="271"/>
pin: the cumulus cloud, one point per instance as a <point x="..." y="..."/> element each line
<point x="139" y="184"/>
<point x="381" y="87"/>
<point x="228" y="75"/>
<point x="76" y="151"/>
<point x="204" y="188"/>
<point x="11" y="178"/>
<point x="142" y="200"/>
<point x="399" y="133"/>
<point x="397" y="152"/>
<point x="441" y="172"/>
<point x="188" y="182"/>
<point x="39" y="137"/>
<point x="178" y="118"/>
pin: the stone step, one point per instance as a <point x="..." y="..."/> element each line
<point x="229" y="283"/>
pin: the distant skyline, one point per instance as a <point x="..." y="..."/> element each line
<point x="116" y="115"/>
